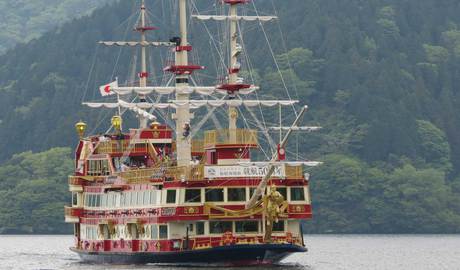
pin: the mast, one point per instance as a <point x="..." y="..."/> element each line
<point x="233" y="71"/>
<point x="143" y="74"/>
<point x="182" y="116"/>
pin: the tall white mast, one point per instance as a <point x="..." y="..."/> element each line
<point x="143" y="74"/>
<point x="182" y="116"/>
<point x="233" y="72"/>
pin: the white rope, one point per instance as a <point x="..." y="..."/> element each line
<point x="283" y="43"/>
<point x="210" y="36"/>
<point x="89" y="75"/>
<point x="274" y="57"/>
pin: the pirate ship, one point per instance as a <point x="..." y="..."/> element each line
<point x="159" y="194"/>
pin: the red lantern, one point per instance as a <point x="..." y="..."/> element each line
<point x="281" y="153"/>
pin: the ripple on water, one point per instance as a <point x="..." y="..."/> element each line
<point x="329" y="252"/>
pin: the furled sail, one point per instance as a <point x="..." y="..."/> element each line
<point x="295" y="128"/>
<point x="164" y="90"/>
<point x="234" y="103"/>
<point x="194" y="104"/>
<point x="234" y="18"/>
<point x="137" y="43"/>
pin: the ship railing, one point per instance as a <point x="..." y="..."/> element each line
<point x="184" y="173"/>
<point x="178" y="173"/>
<point x="138" y="175"/>
<point x="222" y="136"/>
<point x="121" y="146"/>
<point x="174" y="173"/>
<point x="70" y="211"/>
<point x="197" y="146"/>
<point x="79" y="180"/>
<point x="294" y="172"/>
<point x="75" y="180"/>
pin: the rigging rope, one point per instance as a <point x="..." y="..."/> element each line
<point x="274" y="58"/>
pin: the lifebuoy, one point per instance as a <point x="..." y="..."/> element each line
<point x="227" y="238"/>
<point x="289" y="237"/>
<point x="158" y="246"/>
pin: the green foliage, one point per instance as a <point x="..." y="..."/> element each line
<point x="434" y="148"/>
<point x="23" y="20"/>
<point x="436" y="54"/>
<point x="350" y="196"/>
<point x="34" y="192"/>
<point x="452" y="40"/>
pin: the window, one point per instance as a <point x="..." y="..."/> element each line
<point x="154" y="231"/>
<point x="117" y="198"/>
<point x="116" y="163"/>
<point x="236" y="194"/>
<point x="74" y="199"/>
<point x="154" y="195"/>
<point x="122" y="199"/>
<point x="171" y="196"/>
<point x="214" y="195"/>
<point x="128" y="198"/>
<point x="220" y="226"/>
<point x="247" y="226"/>
<point x="297" y="194"/>
<point x="278" y="226"/>
<point x="103" y="200"/>
<point x="251" y="192"/>
<point x="283" y="191"/>
<point x="199" y="228"/>
<point x="140" y="197"/>
<point x="133" y="198"/>
<point x="111" y="199"/>
<point x="91" y="200"/>
<point x="98" y="200"/>
<point x="98" y="167"/>
<point x="193" y="195"/>
<point x="163" y="231"/>
<point x="146" y="197"/>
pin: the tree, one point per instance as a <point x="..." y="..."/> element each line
<point x="34" y="192"/>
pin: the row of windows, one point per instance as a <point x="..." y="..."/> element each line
<point x="160" y="231"/>
<point x="129" y="231"/>
<point x="123" y="199"/>
<point x="90" y="233"/>
<point x="98" y="167"/>
<point x="153" y="197"/>
<point x="247" y="226"/>
<point x="233" y="194"/>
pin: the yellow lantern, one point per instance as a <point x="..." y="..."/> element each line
<point x="116" y="122"/>
<point x="154" y="125"/>
<point x="80" y="127"/>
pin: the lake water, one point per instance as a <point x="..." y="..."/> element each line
<point x="331" y="252"/>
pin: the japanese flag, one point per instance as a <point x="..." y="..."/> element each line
<point x="106" y="90"/>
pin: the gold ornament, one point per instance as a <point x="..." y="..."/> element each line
<point x="80" y="127"/>
<point x="116" y="122"/>
<point x="233" y="113"/>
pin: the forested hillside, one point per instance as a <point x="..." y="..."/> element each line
<point x="23" y="20"/>
<point x="381" y="77"/>
<point x="32" y="192"/>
